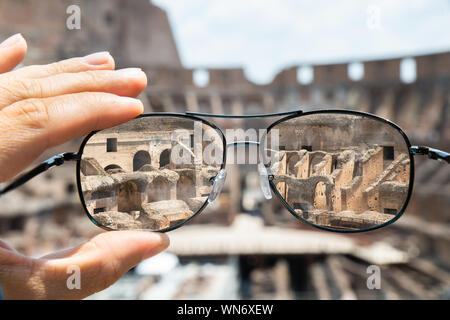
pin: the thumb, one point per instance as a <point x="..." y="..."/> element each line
<point x="6" y="246"/>
<point x="99" y="262"/>
<point x="108" y="256"/>
<point x="126" y="248"/>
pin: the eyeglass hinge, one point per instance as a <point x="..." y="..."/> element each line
<point x="419" y="150"/>
<point x="432" y="153"/>
<point x="59" y="159"/>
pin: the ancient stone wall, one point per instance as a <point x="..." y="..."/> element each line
<point x="136" y="32"/>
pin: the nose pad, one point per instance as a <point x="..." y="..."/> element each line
<point x="264" y="181"/>
<point x="219" y="181"/>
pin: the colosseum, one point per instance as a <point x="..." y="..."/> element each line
<point x="254" y="243"/>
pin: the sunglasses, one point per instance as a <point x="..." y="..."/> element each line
<point x="337" y="170"/>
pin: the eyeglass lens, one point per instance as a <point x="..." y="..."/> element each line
<point x="340" y="171"/>
<point x="150" y="173"/>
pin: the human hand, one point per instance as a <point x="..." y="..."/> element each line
<point x="43" y="106"/>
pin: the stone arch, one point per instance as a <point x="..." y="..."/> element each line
<point x="185" y="188"/>
<point x="303" y="190"/>
<point x="140" y="159"/>
<point x="129" y="198"/>
<point x="113" y="168"/>
<point x="158" y="190"/>
<point x="164" y="158"/>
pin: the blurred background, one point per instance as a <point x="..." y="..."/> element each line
<point x="242" y="57"/>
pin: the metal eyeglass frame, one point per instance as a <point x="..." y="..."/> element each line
<point x="59" y="159"/>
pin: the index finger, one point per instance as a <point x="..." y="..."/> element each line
<point x="95" y="61"/>
<point x="29" y="127"/>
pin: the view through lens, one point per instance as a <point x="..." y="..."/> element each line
<point x="341" y="171"/>
<point x="150" y="173"/>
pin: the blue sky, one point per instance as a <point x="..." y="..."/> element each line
<point x="264" y="36"/>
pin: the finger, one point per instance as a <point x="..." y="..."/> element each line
<point x="10" y="257"/>
<point x="29" y="127"/>
<point x="21" y="277"/>
<point x="107" y="257"/>
<point x="125" y="82"/>
<point x="14" y="267"/>
<point x="12" y="51"/>
<point x="60" y="254"/>
<point x="100" y="261"/>
<point x="95" y="61"/>
<point x="5" y="246"/>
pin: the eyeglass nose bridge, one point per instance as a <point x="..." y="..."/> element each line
<point x="219" y="180"/>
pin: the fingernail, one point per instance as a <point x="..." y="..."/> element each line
<point x="97" y="58"/>
<point x="164" y="242"/>
<point x="11" y="40"/>
<point x="126" y="101"/>
<point x="135" y="106"/>
<point x="130" y="72"/>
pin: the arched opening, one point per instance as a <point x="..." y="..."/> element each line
<point x="155" y="101"/>
<point x="355" y="71"/>
<point x="140" y="158"/>
<point x="158" y="190"/>
<point x="305" y="74"/>
<point x="200" y="77"/>
<point x="292" y="160"/>
<point x="129" y="198"/>
<point x="164" y="158"/>
<point x="185" y="188"/>
<point x="408" y="70"/>
<point x="113" y="168"/>
<point x="320" y="196"/>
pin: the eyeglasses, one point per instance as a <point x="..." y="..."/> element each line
<point x="337" y="170"/>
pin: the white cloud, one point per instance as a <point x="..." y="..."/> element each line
<point x="266" y="35"/>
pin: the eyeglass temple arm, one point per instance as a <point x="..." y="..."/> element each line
<point x="432" y="153"/>
<point x="44" y="166"/>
